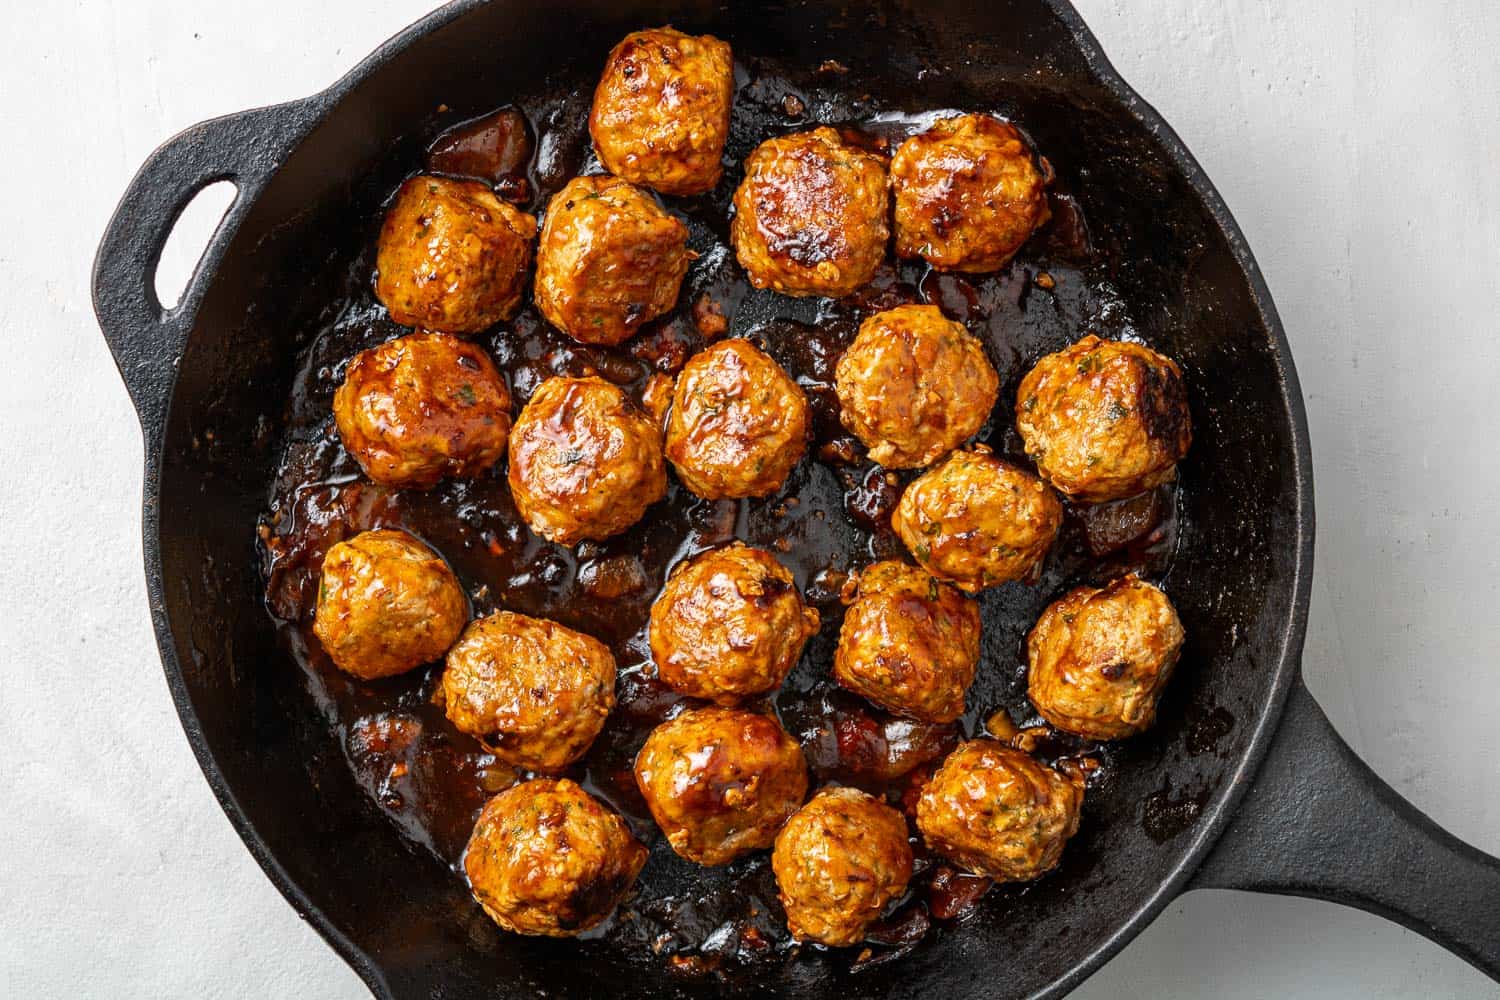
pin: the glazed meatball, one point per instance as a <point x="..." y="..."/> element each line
<point x="610" y="259"/>
<point x="838" y="862"/>
<point x="729" y="624"/>
<point x="1101" y="656"/>
<point x="720" y="782"/>
<point x="1104" y="419"/>
<point x="909" y="643"/>
<point x="452" y="256"/>
<point x="386" y="603"/>
<point x="661" y="110"/>
<point x="738" y="424"/>
<point x="968" y="193"/>
<point x="998" y="812"/>
<point x="976" y="521"/>
<point x="585" y="462"/>
<point x="422" y="407"/>
<point x="535" y="693"/>
<point x="810" y="215"/>
<point x="548" y="858"/>
<point x="913" y="386"/>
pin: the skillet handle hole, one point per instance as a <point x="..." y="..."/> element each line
<point x="190" y="234"/>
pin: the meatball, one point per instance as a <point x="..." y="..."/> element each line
<point x="720" y="782"/>
<point x="548" y="858"/>
<point x="738" y="424"/>
<point x="913" y="386"/>
<point x="422" y="407"/>
<point x="1104" y="419"/>
<point x="386" y="603"/>
<point x="1101" y="656"/>
<point x="838" y="862"/>
<point x="909" y="643"/>
<point x="585" y="462"/>
<point x="610" y="259"/>
<point x="452" y="256"/>
<point x="535" y="693"/>
<point x="729" y="624"/>
<point x="661" y="110"/>
<point x="968" y="193"/>
<point x="810" y="215"/>
<point x="976" y="521"/>
<point x="996" y="811"/>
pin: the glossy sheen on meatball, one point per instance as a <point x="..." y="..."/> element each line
<point x="998" y="812"/>
<point x="585" y="462"/>
<point x="909" y="643"/>
<point x="729" y="624"/>
<point x="610" y="259"/>
<point x="810" y="215"/>
<point x="720" y="782"/>
<point x="738" y="424"/>
<point x="386" y="603"/>
<point x="1100" y="658"/>
<point x="661" y="110"/>
<point x="452" y="256"/>
<point x="913" y="386"/>
<point x="547" y="858"/>
<point x="838" y="862"/>
<point x="419" y="408"/>
<point x="1104" y="419"/>
<point x="976" y="521"/>
<point x="968" y="193"/>
<point x="535" y="693"/>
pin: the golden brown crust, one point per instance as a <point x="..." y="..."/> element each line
<point x="547" y="858"/>
<point x="387" y="603"/>
<point x="810" y="215"/>
<point x="661" y="110"/>
<point x="738" y="424"/>
<point x="909" y="643"/>
<point x="452" y="256"/>
<point x="720" y="782"/>
<point x="998" y="812"/>
<point x="914" y="385"/>
<point x="1100" y="658"/>
<point x="1104" y="419"/>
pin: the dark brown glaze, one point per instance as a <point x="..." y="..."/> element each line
<point x="496" y="148"/>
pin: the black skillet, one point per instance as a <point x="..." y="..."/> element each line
<point x="208" y="378"/>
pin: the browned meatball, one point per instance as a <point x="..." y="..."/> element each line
<point x="720" y="782"/>
<point x="452" y="256"/>
<point x="1104" y="419"/>
<point x="838" y="862"/>
<point x="610" y="259"/>
<point x="999" y="812"/>
<point x="729" y="624"/>
<point x="914" y="385"/>
<point x="585" y="462"/>
<point x="661" y="110"/>
<point x="968" y="193"/>
<point x="548" y="858"/>
<point x="535" y="693"/>
<point x="387" y="603"/>
<point x="977" y="521"/>
<point x="810" y="215"/>
<point x="1101" y="656"/>
<point x="738" y="424"/>
<point x="422" y="407"/>
<point x="909" y="643"/>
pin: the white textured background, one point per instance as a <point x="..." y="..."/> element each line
<point x="1358" y="144"/>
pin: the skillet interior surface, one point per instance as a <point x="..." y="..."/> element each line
<point x="1161" y="269"/>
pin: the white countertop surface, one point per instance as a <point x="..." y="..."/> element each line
<point x="1357" y="144"/>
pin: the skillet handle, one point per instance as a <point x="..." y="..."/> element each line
<point x="1318" y="822"/>
<point x="146" y="338"/>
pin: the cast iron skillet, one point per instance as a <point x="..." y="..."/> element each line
<point x="1278" y="803"/>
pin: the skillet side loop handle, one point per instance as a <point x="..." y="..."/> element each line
<point x="1318" y="822"/>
